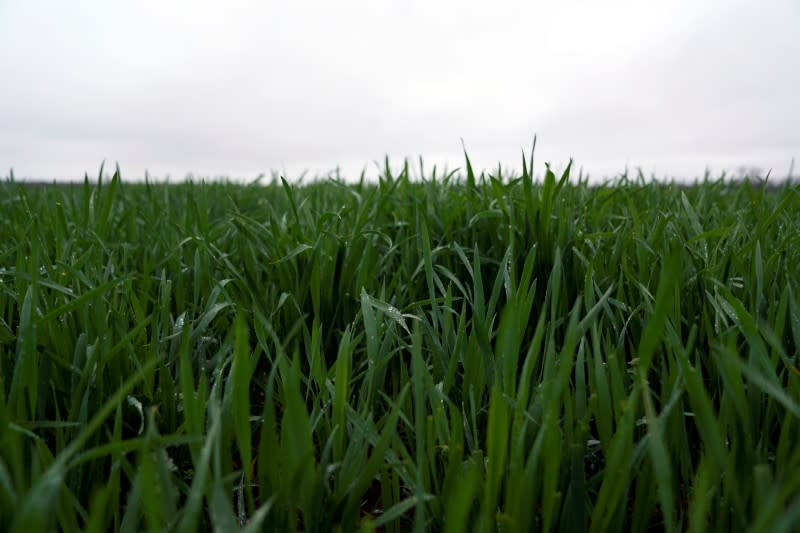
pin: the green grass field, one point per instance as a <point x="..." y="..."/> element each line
<point x="480" y="353"/>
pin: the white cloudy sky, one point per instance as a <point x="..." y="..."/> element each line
<point x="243" y="87"/>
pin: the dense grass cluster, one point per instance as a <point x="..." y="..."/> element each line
<point x="486" y="353"/>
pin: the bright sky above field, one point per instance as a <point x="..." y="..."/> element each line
<point x="243" y="87"/>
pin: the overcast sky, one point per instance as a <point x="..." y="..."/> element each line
<point x="240" y="87"/>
